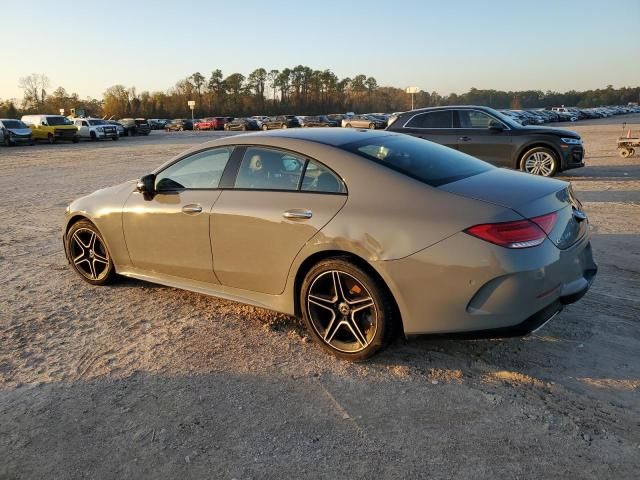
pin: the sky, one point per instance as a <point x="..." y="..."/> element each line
<point x="438" y="46"/>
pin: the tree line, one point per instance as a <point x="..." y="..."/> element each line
<point x="298" y="90"/>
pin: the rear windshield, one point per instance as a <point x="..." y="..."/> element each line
<point x="425" y="161"/>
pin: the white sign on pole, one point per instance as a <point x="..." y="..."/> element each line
<point x="191" y="103"/>
<point x="413" y="89"/>
<point x="62" y="111"/>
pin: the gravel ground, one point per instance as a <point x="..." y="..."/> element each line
<point x="142" y="381"/>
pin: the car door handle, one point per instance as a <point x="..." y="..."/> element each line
<point x="193" y="208"/>
<point x="298" y="213"/>
<point x="464" y="139"/>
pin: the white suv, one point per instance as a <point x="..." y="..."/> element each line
<point x="95" y="129"/>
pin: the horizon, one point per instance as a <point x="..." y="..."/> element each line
<point x="390" y="47"/>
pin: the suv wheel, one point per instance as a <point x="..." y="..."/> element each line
<point x="540" y="161"/>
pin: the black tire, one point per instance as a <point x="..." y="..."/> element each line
<point x="93" y="136"/>
<point x="374" y="324"/>
<point x="51" y="139"/>
<point x="624" y="152"/>
<point x="372" y="126"/>
<point x="545" y="155"/>
<point x="133" y="132"/>
<point x="75" y="139"/>
<point x="7" y="141"/>
<point x="115" y="138"/>
<point x="88" y="254"/>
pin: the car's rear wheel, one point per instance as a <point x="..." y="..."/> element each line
<point x="540" y="161"/>
<point x="348" y="125"/>
<point x="346" y="310"/>
<point x="88" y="253"/>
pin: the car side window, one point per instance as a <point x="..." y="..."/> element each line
<point x="201" y="170"/>
<point x="269" y="169"/>
<point x="474" y="119"/>
<point x="437" y="119"/>
<point x="318" y="178"/>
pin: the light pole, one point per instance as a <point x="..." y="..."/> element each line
<point x="192" y="105"/>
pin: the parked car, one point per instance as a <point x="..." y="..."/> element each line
<point x="319" y="121"/>
<point x="281" y="121"/>
<point x="364" y="121"/>
<point x="178" y="125"/>
<point x="121" y="130"/>
<point x="210" y="123"/>
<point x="51" y="128"/>
<point x="95" y="129"/>
<point x="14" y="132"/>
<point x="135" y="126"/>
<point x="242" y="123"/>
<point x="487" y="134"/>
<point x="295" y="221"/>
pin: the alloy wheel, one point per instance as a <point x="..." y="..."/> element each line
<point x="88" y="254"/>
<point x="539" y="163"/>
<point x="342" y="311"/>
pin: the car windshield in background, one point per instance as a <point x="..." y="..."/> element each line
<point x="58" y="121"/>
<point x="13" y="124"/>
<point x="427" y="162"/>
<point x="506" y="119"/>
<point x="97" y="122"/>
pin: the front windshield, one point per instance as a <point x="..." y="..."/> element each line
<point x="97" y="122"/>
<point x="13" y="124"/>
<point x="58" y="121"/>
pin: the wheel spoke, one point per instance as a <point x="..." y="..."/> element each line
<point x="322" y="302"/>
<point x="100" y="258"/>
<point x="79" y="241"/>
<point x="337" y="285"/>
<point x="355" y="331"/>
<point x="361" y="306"/>
<point x="331" y="330"/>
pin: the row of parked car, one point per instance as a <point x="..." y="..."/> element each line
<point x="54" y="128"/>
<point x="566" y="114"/>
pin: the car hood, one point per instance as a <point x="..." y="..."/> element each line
<point x="20" y="131"/>
<point x="560" y="132"/>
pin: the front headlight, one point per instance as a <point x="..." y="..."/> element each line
<point x="572" y="141"/>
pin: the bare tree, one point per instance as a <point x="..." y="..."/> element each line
<point x="35" y="89"/>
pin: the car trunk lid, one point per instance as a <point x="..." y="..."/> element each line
<point x="530" y="196"/>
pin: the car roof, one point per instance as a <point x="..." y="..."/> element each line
<point x="326" y="136"/>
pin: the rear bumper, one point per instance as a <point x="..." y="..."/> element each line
<point x="465" y="285"/>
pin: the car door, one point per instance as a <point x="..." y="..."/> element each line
<point x="280" y="200"/>
<point x="435" y="126"/>
<point x="168" y="232"/>
<point x="493" y="145"/>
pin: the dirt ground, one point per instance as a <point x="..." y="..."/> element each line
<point x="142" y="381"/>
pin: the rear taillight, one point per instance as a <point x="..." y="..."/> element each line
<point x="518" y="234"/>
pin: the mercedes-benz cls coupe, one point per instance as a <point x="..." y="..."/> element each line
<point x="359" y="232"/>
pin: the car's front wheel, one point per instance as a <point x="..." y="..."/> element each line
<point x="346" y="310"/>
<point x="540" y="161"/>
<point x="88" y="253"/>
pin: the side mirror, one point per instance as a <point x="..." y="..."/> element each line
<point x="495" y="127"/>
<point x="146" y="184"/>
<point x="44" y="124"/>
